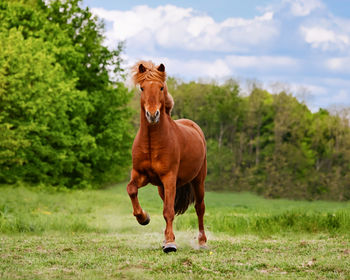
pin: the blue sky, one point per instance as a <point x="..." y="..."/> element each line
<point x="302" y="46"/>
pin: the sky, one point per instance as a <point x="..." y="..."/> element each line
<point x="301" y="46"/>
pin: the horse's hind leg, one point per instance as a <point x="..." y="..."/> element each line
<point x="198" y="187"/>
<point x="137" y="181"/>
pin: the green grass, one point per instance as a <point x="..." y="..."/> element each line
<point x="93" y="235"/>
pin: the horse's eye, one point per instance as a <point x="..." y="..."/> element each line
<point x="141" y="88"/>
<point x="161" y="88"/>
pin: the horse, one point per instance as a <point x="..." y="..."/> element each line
<point x="167" y="153"/>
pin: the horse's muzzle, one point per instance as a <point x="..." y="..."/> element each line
<point x="153" y="118"/>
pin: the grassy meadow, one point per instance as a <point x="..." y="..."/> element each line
<point x="93" y="235"/>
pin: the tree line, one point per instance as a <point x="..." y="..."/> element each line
<point x="270" y="144"/>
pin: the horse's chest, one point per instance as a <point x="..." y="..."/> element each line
<point x="157" y="165"/>
<point x="153" y="174"/>
<point x="153" y="177"/>
<point x="154" y="165"/>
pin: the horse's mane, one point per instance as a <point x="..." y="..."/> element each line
<point x="151" y="73"/>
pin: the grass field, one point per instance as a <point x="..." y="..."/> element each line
<point x="93" y="235"/>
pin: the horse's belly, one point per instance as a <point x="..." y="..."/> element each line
<point x="193" y="154"/>
<point x="191" y="164"/>
<point x="188" y="171"/>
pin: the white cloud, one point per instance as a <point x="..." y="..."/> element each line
<point x="130" y="23"/>
<point x="175" y="27"/>
<point x="219" y="68"/>
<point x="339" y="64"/>
<point x="325" y="39"/>
<point x="192" y="68"/>
<point x="262" y="62"/>
<point x="303" y="7"/>
<point x="296" y="8"/>
<point x="213" y="69"/>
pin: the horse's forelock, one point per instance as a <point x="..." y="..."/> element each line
<point x="151" y="73"/>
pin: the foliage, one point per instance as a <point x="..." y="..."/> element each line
<point x="269" y="144"/>
<point x="63" y="117"/>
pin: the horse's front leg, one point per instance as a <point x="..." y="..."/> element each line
<point x="169" y="183"/>
<point x="137" y="181"/>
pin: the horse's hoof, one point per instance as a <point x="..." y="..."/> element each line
<point x="169" y="247"/>
<point x="203" y="246"/>
<point x="145" y="222"/>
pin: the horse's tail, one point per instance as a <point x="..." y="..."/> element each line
<point x="184" y="197"/>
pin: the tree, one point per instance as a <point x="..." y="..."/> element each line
<point x="64" y="112"/>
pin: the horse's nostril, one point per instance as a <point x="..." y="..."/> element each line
<point x="157" y="113"/>
<point x="148" y="114"/>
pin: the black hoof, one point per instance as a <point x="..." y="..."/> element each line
<point x="170" y="247"/>
<point x="146" y="222"/>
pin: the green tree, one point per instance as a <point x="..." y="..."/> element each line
<point x="64" y="106"/>
<point x="269" y="144"/>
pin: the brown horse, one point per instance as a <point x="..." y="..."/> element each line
<point x="166" y="153"/>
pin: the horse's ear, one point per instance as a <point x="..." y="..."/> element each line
<point x="142" y="68"/>
<point x="161" y="67"/>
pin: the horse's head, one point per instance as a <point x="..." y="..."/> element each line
<point x="152" y="94"/>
